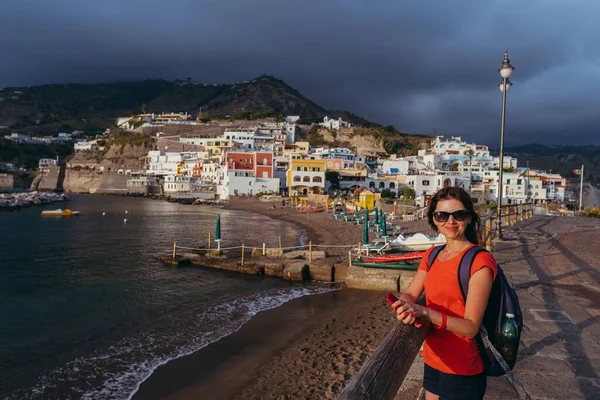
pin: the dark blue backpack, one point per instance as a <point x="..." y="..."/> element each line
<point x="503" y="299"/>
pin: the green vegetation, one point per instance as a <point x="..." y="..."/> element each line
<point x="593" y="212"/>
<point x="408" y="193"/>
<point x="387" y="194"/>
<point x="28" y="155"/>
<point x="133" y="139"/>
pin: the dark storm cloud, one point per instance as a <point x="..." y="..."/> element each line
<point x="419" y="65"/>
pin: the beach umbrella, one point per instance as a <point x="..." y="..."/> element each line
<point x="356" y="210"/>
<point x="376" y="215"/>
<point x="383" y="225"/>
<point x="367" y="215"/>
<point x="366" y="233"/>
<point x="218" y="228"/>
<point x="395" y="205"/>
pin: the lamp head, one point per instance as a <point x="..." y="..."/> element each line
<point x="506" y="69"/>
<point x="508" y="85"/>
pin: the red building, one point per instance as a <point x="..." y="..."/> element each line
<point x="260" y="163"/>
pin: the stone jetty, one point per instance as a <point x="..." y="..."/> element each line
<point x="15" y="201"/>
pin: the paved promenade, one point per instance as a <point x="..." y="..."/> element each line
<point x="554" y="262"/>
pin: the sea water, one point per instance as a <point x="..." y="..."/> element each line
<point x="87" y="312"/>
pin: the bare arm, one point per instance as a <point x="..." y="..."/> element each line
<point x="415" y="288"/>
<point x="480" y="287"/>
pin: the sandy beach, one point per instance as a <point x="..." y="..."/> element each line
<point x="308" y="348"/>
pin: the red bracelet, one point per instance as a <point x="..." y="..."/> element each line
<point x="444" y="320"/>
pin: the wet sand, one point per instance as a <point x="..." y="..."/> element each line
<point x="308" y="348"/>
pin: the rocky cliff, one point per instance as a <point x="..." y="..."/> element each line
<point x="106" y="167"/>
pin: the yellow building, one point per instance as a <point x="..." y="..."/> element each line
<point x="366" y="199"/>
<point x="298" y="148"/>
<point x="306" y="176"/>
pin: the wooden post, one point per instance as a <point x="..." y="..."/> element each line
<point x="280" y="242"/>
<point x="209" y="240"/>
<point x="264" y="249"/>
<point x="381" y="376"/>
<point x="488" y="238"/>
<point x="349" y="258"/>
<point x="242" y="253"/>
<point x="309" y="252"/>
<point x="174" y="249"/>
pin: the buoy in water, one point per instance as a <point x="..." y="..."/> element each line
<point x="126" y="211"/>
<point x="103" y="214"/>
<point x="125" y="221"/>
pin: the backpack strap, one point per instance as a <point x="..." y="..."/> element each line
<point x="433" y="255"/>
<point x="464" y="269"/>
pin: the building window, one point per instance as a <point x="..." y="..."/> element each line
<point x="519" y="181"/>
<point x="329" y="163"/>
<point x="508" y="181"/>
<point x="305" y="169"/>
<point x="297" y="179"/>
<point x="425" y="183"/>
<point x="298" y="169"/>
<point x="317" y="179"/>
<point x="306" y="179"/>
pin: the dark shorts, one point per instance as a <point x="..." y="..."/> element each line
<point x="454" y="387"/>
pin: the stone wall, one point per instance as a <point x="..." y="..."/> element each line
<point x="82" y="180"/>
<point x="49" y="179"/>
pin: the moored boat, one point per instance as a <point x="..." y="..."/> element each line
<point x="416" y="242"/>
<point x="396" y="257"/>
<point x="60" y="213"/>
<point x="402" y="265"/>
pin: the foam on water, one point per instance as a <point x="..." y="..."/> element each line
<point x="117" y="371"/>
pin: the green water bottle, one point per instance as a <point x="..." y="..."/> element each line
<point x="510" y="339"/>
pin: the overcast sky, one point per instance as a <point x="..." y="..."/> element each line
<point x="419" y="65"/>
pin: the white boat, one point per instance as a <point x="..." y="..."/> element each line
<point x="416" y="242"/>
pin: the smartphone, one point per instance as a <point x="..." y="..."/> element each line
<point x="391" y="298"/>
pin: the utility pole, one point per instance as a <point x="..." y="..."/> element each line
<point x="527" y="187"/>
<point x="581" y="190"/>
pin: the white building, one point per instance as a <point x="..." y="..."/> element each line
<point x="48" y="162"/>
<point x="292" y="118"/>
<point x="427" y="184"/>
<point x="85" y="146"/>
<point x="508" y="161"/>
<point x="395" y="167"/>
<point x="174" y="163"/>
<point x="334" y="123"/>
<point x="18" y="138"/>
<point x="243" y="136"/>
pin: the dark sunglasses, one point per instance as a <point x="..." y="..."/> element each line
<point x="459" y="216"/>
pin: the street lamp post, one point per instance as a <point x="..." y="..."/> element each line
<point x="505" y="71"/>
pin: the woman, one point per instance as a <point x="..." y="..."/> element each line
<point x="453" y="366"/>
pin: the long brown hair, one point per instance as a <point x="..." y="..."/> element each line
<point x="459" y="194"/>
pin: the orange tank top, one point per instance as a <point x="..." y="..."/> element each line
<point x="446" y="351"/>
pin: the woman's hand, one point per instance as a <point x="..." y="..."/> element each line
<point x="408" y="312"/>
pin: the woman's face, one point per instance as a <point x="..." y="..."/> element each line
<point x="451" y="229"/>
